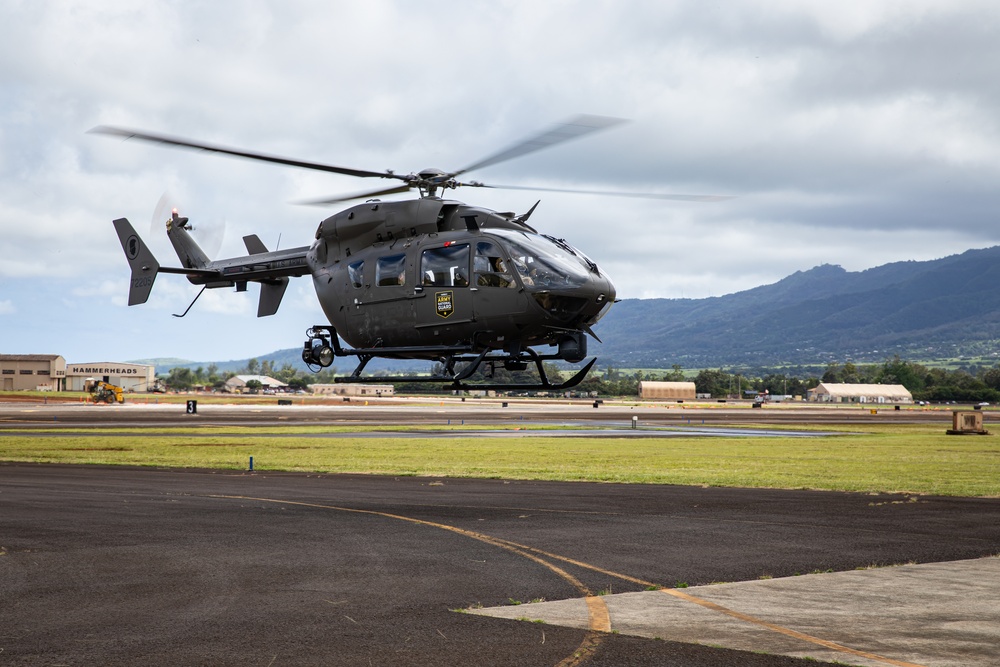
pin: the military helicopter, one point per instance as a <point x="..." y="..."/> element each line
<point x="428" y="278"/>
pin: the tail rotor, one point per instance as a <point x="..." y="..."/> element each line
<point x="208" y="235"/>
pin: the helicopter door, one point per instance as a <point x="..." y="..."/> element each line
<point x="498" y="298"/>
<point x="444" y="278"/>
<point x="382" y="303"/>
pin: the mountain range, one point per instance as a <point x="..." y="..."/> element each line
<point x="919" y="310"/>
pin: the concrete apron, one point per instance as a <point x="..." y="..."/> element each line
<point x="930" y="615"/>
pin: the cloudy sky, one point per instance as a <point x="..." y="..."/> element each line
<point x="855" y="133"/>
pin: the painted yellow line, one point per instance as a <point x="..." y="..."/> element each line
<point x="599" y="618"/>
<point x="785" y="631"/>
<point x="591" y="641"/>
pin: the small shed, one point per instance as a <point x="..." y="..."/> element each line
<point x="831" y="392"/>
<point x="673" y="390"/>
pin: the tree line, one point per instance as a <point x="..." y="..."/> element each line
<point x="182" y="378"/>
<point x="975" y="384"/>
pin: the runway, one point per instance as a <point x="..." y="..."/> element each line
<point x="123" y="566"/>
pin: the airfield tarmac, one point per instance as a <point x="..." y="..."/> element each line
<point x="148" y="411"/>
<point x="103" y="565"/>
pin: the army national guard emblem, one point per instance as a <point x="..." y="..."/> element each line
<point x="445" y="303"/>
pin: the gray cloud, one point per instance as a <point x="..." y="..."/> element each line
<point x="854" y="133"/>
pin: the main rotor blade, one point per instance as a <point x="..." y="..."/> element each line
<point x="359" y="195"/>
<point x="637" y="195"/>
<point x="236" y="152"/>
<point x="571" y="129"/>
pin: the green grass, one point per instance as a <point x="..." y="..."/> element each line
<point x="918" y="459"/>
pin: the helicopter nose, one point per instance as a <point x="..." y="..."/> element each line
<point x="581" y="305"/>
<point x="604" y="296"/>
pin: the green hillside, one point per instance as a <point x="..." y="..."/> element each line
<point x="918" y="310"/>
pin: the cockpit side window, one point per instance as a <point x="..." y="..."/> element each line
<point x="543" y="263"/>
<point x="390" y="271"/>
<point x="491" y="267"/>
<point x="445" y="267"/>
<point x="356" y="273"/>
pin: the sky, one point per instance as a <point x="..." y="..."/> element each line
<point x="854" y="133"/>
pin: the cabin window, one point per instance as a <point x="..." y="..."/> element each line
<point x="356" y="273"/>
<point x="491" y="267"/>
<point x="445" y="267"/>
<point x="390" y="271"/>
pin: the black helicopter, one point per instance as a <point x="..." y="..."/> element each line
<point x="430" y="278"/>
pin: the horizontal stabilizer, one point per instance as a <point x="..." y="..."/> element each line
<point x="144" y="266"/>
<point x="254" y="245"/>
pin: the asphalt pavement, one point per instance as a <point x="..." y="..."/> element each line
<point x="126" y="566"/>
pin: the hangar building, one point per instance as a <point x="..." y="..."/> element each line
<point x="130" y="377"/>
<point x="238" y="383"/>
<point x="830" y="392"/>
<point x="676" y="390"/>
<point x="348" y="389"/>
<point x="32" y="372"/>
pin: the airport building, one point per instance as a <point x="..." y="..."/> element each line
<point x="359" y="389"/>
<point x="32" y="372"/>
<point x="830" y="392"/>
<point x="130" y="377"/>
<point x="50" y="372"/>
<point x="238" y="383"/>
<point x="671" y="390"/>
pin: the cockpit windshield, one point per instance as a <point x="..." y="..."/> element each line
<point x="544" y="263"/>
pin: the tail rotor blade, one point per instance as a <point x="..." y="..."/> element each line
<point x="209" y="235"/>
<point x="161" y="212"/>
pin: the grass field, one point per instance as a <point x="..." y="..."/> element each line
<point x="914" y="459"/>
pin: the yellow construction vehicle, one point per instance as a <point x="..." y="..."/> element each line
<point x="104" y="391"/>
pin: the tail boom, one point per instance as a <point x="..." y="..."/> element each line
<point x="270" y="269"/>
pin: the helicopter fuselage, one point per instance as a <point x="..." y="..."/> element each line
<point x="430" y="273"/>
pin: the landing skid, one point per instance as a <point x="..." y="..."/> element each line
<point x="323" y="346"/>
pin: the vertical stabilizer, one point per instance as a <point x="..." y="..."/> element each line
<point x="144" y="266"/>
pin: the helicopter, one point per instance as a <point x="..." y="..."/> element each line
<point x="429" y="278"/>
